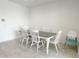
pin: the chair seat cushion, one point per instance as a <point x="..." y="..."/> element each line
<point x="71" y="42"/>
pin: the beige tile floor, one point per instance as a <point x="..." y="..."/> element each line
<point x="10" y="49"/>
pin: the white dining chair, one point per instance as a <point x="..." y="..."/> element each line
<point x="55" y="40"/>
<point x="35" y="39"/>
<point x="18" y="36"/>
<point x="23" y="36"/>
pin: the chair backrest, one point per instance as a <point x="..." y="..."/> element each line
<point x="72" y="34"/>
<point x="58" y="37"/>
<point x="35" y="35"/>
<point x="18" y="34"/>
<point x="23" y="33"/>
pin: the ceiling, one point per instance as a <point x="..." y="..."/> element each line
<point x="32" y="3"/>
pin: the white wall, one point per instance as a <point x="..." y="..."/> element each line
<point x="15" y="15"/>
<point x="62" y="14"/>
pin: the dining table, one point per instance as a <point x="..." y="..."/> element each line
<point x="46" y="36"/>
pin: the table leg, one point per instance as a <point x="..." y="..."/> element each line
<point x="47" y="45"/>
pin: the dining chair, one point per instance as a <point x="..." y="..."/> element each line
<point x="23" y="36"/>
<point x="36" y="39"/>
<point x="18" y="36"/>
<point x="71" y="36"/>
<point x="55" y="40"/>
<point x="71" y="39"/>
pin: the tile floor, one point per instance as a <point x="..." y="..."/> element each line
<point x="10" y="49"/>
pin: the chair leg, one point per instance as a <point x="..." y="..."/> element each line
<point x="43" y="44"/>
<point x="56" y="48"/>
<point x="37" y="47"/>
<point x="27" y="41"/>
<point x="19" y="42"/>
<point x="76" y="48"/>
<point x="22" y="41"/>
<point x="31" y="44"/>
